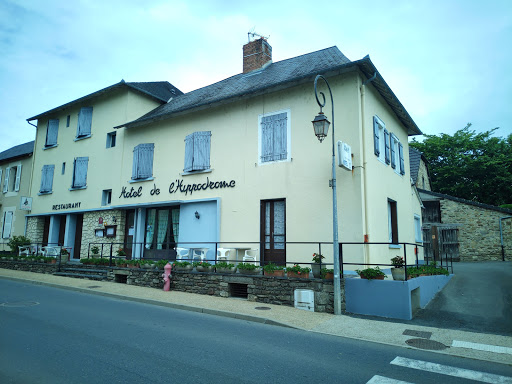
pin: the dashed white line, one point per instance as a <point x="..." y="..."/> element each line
<point x="385" y="380"/>
<point x="482" y="347"/>
<point x="452" y="371"/>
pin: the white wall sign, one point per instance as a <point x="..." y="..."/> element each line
<point x="26" y="203"/>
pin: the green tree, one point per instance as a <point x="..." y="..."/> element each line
<point x="470" y="165"/>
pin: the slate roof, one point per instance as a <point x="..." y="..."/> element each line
<point x="275" y="76"/>
<point x="464" y="201"/>
<point x="159" y="90"/>
<point x="17" y="151"/>
<point x="414" y="163"/>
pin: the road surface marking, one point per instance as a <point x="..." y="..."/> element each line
<point x="482" y="347"/>
<point x="451" y="371"/>
<point x="385" y="380"/>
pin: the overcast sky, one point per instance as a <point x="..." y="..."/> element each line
<point x="448" y="61"/>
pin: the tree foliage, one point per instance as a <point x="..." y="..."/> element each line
<point x="470" y="165"/>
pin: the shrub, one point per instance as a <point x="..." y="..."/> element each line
<point x="397" y="261"/>
<point x="223" y="264"/>
<point x="16" y="241"/>
<point x="247" y="266"/>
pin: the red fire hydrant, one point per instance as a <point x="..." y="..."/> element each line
<point x="167" y="277"/>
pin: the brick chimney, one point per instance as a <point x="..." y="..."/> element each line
<point x="257" y="53"/>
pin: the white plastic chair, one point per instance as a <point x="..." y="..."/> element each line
<point x="182" y="253"/>
<point x="51" y="251"/>
<point x="26" y="250"/>
<point x="200" y="254"/>
<point x="223" y="254"/>
<point x="251" y="255"/>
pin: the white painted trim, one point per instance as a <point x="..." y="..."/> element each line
<point x="385" y="380"/>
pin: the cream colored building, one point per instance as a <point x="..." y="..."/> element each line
<point x="233" y="165"/>
<point x="15" y="173"/>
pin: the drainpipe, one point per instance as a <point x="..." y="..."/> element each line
<point x="365" y="175"/>
<point x="501" y="236"/>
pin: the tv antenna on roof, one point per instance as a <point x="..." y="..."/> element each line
<point x="253" y="34"/>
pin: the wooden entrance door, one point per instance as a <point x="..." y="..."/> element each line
<point x="273" y="231"/>
<point x="129" y="231"/>
<point x="78" y="235"/>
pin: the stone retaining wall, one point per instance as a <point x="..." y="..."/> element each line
<point x="29" y="266"/>
<point x="479" y="234"/>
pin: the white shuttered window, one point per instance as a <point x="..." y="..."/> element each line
<point x="6" y="230"/>
<point x="274" y="137"/>
<point x="197" y="151"/>
<point x="80" y="172"/>
<point x="52" y="132"/>
<point x="84" y="122"/>
<point x="18" y="178"/>
<point x="143" y="161"/>
<point x="47" y="179"/>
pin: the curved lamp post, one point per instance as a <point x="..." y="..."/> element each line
<point x="321" y="127"/>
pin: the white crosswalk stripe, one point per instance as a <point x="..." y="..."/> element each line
<point x="481" y="347"/>
<point x="385" y="380"/>
<point x="451" y="371"/>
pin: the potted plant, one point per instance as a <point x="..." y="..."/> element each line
<point x="249" y="269"/>
<point x="133" y="263"/>
<point x="50" y="260"/>
<point x="95" y="250"/>
<point x="315" y="266"/>
<point x="147" y="264"/>
<point x="160" y="264"/>
<point x="121" y="263"/>
<point x="224" y="267"/>
<point x="203" y="266"/>
<point x="183" y="266"/>
<point x="120" y="252"/>
<point x="327" y="274"/>
<point x="298" y="271"/>
<point x="272" y="269"/>
<point x="398" y="270"/>
<point x="371" y="273"/>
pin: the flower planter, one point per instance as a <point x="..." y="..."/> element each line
<point x="200" y="268"/>
<point x="256" y="271"/>
<point x="147" y="266"/>
<point x="133" y="265"/>
<point x="329" y="276"/>
<point x="315" y="268"/>
<point x="226" y="270"/>
<point x="186" y="268"/>
<point x="375" y="278"/>
<point x="298" y="276"/>
<point x="278" y="273"/>
<point x="121" y="265"/>
<point x="398" y="274"/>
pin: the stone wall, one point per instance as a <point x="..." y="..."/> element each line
<point x="479" y="233"/>
<point x="35" y="229"/>
<point x="263" y="289"/>
<point x="91" y="223"/>
<point x="20" y="265"/>
<point x="423" y="180"/>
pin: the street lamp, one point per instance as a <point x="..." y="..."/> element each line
<point x="321" y="127"/>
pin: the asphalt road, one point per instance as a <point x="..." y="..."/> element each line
<point x="49" y="335"/>
<point x="478" y="298"/>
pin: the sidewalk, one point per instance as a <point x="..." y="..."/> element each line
<point x="384" y="332"/>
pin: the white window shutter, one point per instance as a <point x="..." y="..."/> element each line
<point x="393" y="152"/>
<point x="401" y="157"/>
<point x="47" y="178"/>
<point x="280" y="141"/>
<point x="6" y="233"/>
<point x="84" y="122"/>
<point x="201" y="159"/>
<point x="0" y="176"/>
<point x="189" y="153"/>
<point x="6" y="180"/>
<point x="386" y="146"/>
<point x="135" y="164"/>
<point x="80" y="172"/>
<point x="267" y="139"/>
<point x="143" y="161"/>
<point x="52" y="132"/>
<point x="18" y="179"/>
<point x="376" y="136"/>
